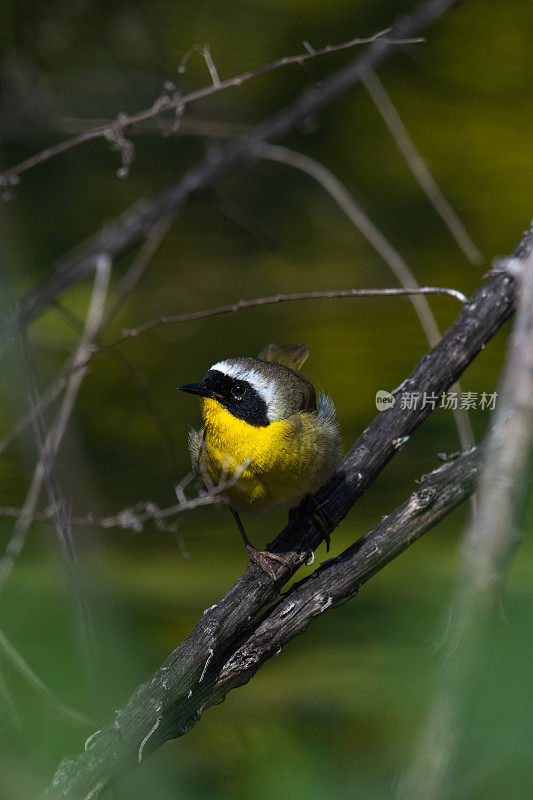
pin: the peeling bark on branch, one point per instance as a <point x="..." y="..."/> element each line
<point x="340" y="578"/>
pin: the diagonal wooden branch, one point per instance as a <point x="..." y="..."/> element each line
<point x="151" y="714"/>
<point x="331" y="584"/>
<point x="340" y="578"/>
<point x="136" y="224"/>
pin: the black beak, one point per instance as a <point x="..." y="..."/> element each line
<point x="198" y="388"/>
<point x="194" y="388"/>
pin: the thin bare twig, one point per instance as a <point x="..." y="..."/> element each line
<point x="55" y="435"/>
<point x="45" y="473"/>
<point x="60" y="504"/>
<point x="137" y="378"/>
<point x="136" y="270"/>
<point x="206" y="53"/>
<point x="336" y="189"/>
<point x="47" y="398"/>
<point x="418" y="167"/>
<point x="241" y="305"/>
<point x="188" y="126"/>
<point x="125" y="286"/>
<point x="26" y="671"/>
<point x="171" y="100"/>
<point x="135" y="517"/>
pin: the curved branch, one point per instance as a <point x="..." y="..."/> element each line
<point x="257" y="302"/>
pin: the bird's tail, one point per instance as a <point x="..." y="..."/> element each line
<point x="290" y="355"/>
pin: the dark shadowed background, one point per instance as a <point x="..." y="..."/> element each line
<point x="338" y="711"/>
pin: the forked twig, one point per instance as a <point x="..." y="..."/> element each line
<point x="172" y="100"/>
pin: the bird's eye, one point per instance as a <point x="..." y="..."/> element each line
<point x="238" y="389"/>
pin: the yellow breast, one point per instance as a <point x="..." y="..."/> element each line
<point x="275" y="464"/>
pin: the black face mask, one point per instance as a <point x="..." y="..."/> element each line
<point x="237" y="395"/>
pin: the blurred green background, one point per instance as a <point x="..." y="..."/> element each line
<point x="338" y="711"/>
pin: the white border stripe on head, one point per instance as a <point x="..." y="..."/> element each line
<point x="265" y="389"/>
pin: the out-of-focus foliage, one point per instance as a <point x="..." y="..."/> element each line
<point x="337" y="713"/>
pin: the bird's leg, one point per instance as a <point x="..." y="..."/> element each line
<point x="308" y="505"/>
<point x="259" y="557"/>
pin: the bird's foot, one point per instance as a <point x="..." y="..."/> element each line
<point x="308" y="505"/>
<point x="264" y="558"/>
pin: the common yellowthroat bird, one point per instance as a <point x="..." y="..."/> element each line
<point x="267" y="435"/>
